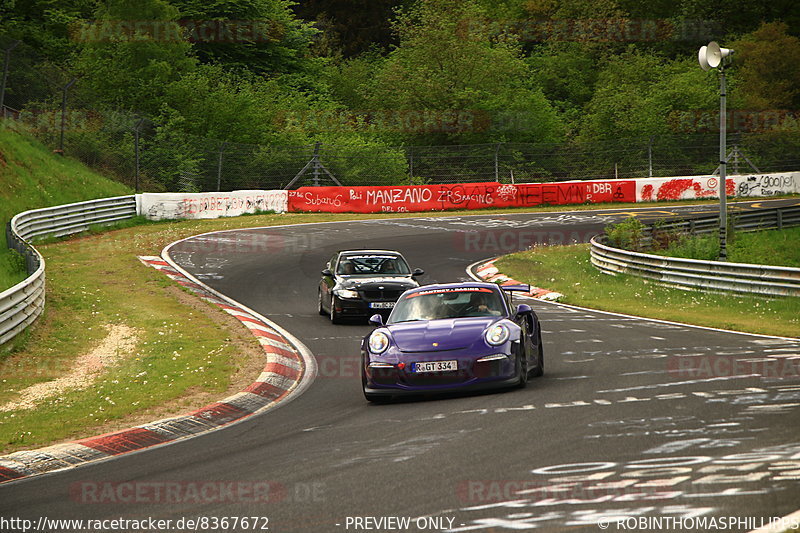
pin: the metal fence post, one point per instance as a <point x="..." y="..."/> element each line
<point x="64" y="113"/>
<point x="136" y="154"/>
<point x="316" y="164"/>
<point x="219" y="165"/>
<point x="497" y="162"/>
<point x="410" y="164"/>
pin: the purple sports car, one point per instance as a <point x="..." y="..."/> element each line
<point x="458" y="336"/>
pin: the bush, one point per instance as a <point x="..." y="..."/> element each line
<point x="627" y="234"/>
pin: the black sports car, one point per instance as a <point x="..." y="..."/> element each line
<point x="361" y="283"/>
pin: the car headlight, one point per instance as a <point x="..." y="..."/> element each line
<point x="378" y="342"/>
<point x="497" y="334"/>
<point x="346" y="293"/>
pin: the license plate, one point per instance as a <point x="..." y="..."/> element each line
<point x="436" y="366"/>
<point x="381" y="305"/>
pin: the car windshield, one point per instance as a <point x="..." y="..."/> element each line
<point x="434" y="304"/>
<point x="372" y="265"/>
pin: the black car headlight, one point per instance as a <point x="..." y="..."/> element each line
<point x="378" y="342"/>
<point x="497" y="334"/>
<point x="346" y="294"/>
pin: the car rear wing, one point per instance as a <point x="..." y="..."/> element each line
<point x="516" y="288"/>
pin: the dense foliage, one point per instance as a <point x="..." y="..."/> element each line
<point x="402" y="72"/>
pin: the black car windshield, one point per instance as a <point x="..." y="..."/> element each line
<point x="461" y="302"/>
<point x="372" y="265"/>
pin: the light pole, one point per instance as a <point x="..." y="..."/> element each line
<point x="712" y="56"/>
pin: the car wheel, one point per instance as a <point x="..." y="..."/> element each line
<point x="319" y="304"/>
<point x="538" y="370"/>
<point x="336" y="318"/>
<point x="523" y="366"/>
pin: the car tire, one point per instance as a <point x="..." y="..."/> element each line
<point x="319" y="304"/>
<point x="538" y="370"/>
<point x="523" y="366"/>
<point x="336" y="318"/>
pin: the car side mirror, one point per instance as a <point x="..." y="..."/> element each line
<point x="523" y="309"/>
<point x="417" y="272"/>
<point x="327" y="272"/>
<point x="376" y="320"/>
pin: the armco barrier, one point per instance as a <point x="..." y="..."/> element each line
<point x="763" y="280"/>
<point x="23" y="303"/>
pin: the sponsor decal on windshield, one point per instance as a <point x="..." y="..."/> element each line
<point x="347" y="257"/>
<point x="444" y="291"/>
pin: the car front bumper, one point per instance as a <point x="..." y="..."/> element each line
<point x="360" y="308"/>
<point x="472" y="374"/>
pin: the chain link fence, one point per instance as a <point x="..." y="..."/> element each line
<point x="48" y="102"/>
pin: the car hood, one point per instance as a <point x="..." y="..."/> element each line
<point x="450" y="334"/>
<point x="393" y="282"/>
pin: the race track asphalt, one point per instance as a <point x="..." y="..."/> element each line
<point x="633" y="417"/>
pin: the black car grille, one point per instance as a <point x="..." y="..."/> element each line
<point x="386" y="294"/>
<point x="437" y="378"/>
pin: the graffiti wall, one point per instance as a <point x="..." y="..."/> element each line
<point x="414" y="198"/>
<point x="161" y="206"/>
<point x="696" y="187"/>
<point x="767" y="184"/>
<point x="467" y="196"/>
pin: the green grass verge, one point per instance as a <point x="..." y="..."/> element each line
<point x="567" y="269"/>
<point x="770" y="247"/>
<point x="32" y="177"/>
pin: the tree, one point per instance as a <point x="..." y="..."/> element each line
<point x="259" y="36"/>
<point x="567" y="74"/>
<point x="46" y="25"/>
<point x="766" y="64"/>
<point x="450" y="60"/>
<point x="743" y="15"/>
<point x="639" y="93"/>
<point x="349" y="30"/>
<point x="133" y="52"/>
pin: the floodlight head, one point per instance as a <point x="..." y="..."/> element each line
<point x="711" y="56"/>
<point x="701" y="57"/>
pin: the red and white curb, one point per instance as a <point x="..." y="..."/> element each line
<point x="488" y="272"/>
<point x="289" y="369"/>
